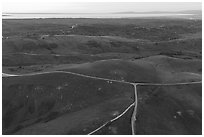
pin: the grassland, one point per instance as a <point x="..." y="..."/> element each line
<point x="108" y="55"/>
<point x="169" y="110"/>
<point x="36" y="100"/>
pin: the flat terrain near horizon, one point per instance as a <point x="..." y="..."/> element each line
<point x="102" y="76"/>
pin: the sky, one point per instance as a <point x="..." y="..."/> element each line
<point x="34" y="6"/>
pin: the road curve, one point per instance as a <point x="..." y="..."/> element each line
<point x="73" y="73"/>
<point x="95" y="77"/>
<point x="133" y="119"/>
<point x="113" y="119"/>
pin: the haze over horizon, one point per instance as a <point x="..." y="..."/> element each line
<point x="97" y="7"/>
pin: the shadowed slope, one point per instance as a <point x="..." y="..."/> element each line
<point x="169" y="110"/>
<point x="39" y="104"/>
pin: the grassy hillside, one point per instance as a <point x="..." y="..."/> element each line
<point x="154" y="69"/>
<point x="154" y="29"/>
<point x="38" y="104"/>
<point x="169" y="110"/>
<point x="117" y="127"/>
<point x="129" y="50"/>
<point x="80" y="49"/>
<point x="120" y="70"/>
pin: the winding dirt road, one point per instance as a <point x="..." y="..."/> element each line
<point x="133" y="119"/>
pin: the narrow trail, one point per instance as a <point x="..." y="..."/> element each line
<point x="95" y="77"/>
<point x="133" y="118"/>
<point x="73" y="73"/>
<point x="112" y="119"/>
<point x="168" y="84"/>
<point x="38" y="54"/>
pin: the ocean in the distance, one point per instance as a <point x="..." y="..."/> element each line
<point x="91" y="15"/>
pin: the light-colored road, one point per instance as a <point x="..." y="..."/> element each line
<point x="8" y="75"/>
<point x="37" y="54"/>
<point x="169" y="84"/>
<point x="133" y="119"/>
<point x="73" y="73"/>
<point x="99" y="78"/>
<point x="112" y="119"/>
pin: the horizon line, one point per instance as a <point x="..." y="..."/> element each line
<point x="99" y="12"/>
